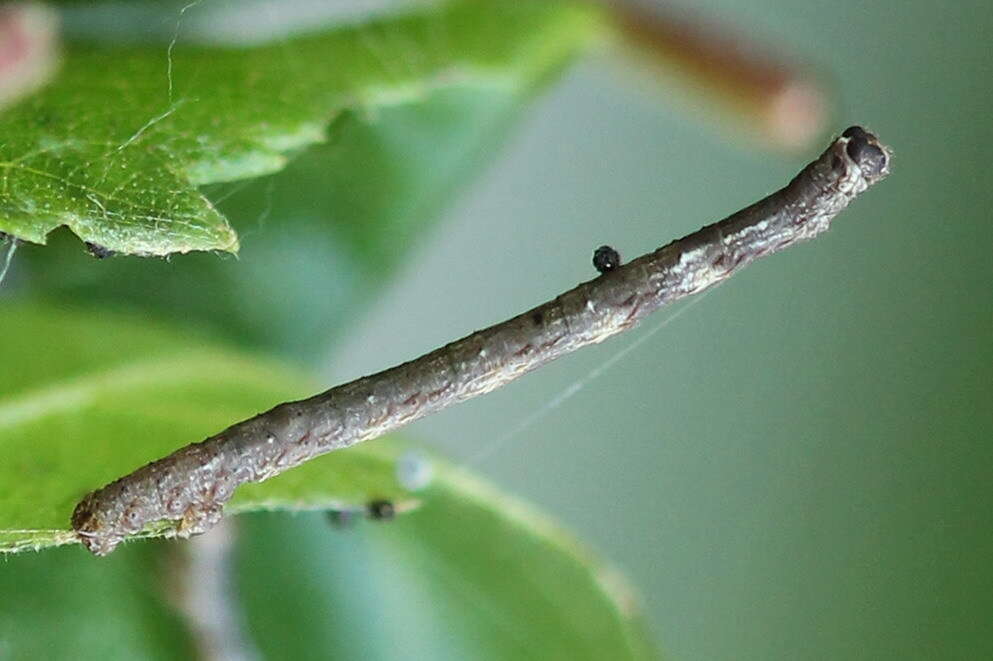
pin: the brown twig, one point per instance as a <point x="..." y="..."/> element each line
<point x="191" y="485"/>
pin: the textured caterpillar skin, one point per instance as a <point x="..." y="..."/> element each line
<point x="191" y="485"/>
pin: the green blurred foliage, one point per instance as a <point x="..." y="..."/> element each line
<point x="502" y="578"/>
<point x="114" y="147"/>
<point x="102" y="395"/>
<point x="60" y="604"/>
<point x="318" y="239"/>
<point x="87" y="394"/>
<point x="457" y="578"/>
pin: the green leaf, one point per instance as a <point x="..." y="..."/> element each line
<point x="85" y="399"/>
<point x="471" y="573"/>
<point x="115" y="149"/>
<point x="320" y="237"/>
<point x="63" y="605"/>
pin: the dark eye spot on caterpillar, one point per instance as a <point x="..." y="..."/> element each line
<point x="99" y="251"/>
<point x="606" y="259"/>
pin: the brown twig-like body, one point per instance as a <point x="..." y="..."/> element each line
<point x="192" y="484"/>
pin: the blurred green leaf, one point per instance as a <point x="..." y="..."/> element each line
<point x="86" y="398"/>
<point x="61" y="604"/>
<point x="319" y="238"/>
<point x="471" y="573"/>
<point x="115" y="149"/>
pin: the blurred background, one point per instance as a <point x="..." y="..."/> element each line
<point x="798" y="465"/>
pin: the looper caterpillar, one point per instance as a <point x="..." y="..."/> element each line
<point x="191" y="485"/>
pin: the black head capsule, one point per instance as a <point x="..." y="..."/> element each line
<point x="382" y="510"/>
<point x="862" y="148"/>
<point x="606" y="259"/>
<point x="855" y="132"/>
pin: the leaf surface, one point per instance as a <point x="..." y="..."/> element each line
<point x="471" y="573"/>
<point x="117" y="146"/>
<point x="321" y="237"/>
<point x="85" y="399"/>
<point x="63" y="605"/>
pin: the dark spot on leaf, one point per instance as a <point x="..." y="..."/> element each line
<point x="99" y="251"/>
<point x="340" y="518"/>
<point x="382" y="510"/>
